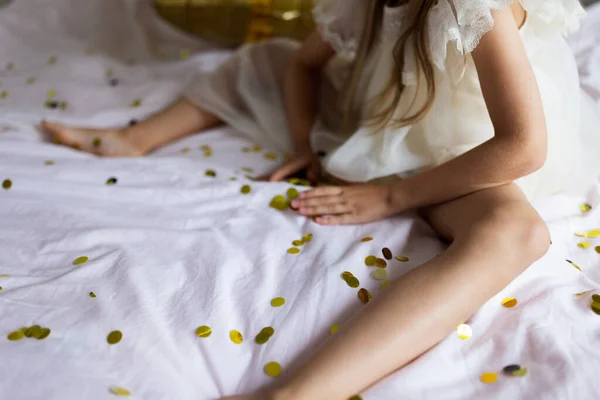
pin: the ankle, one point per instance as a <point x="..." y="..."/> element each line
<point x="136" y="142"/>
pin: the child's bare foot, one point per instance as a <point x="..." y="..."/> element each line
<point x="107" y="143"/>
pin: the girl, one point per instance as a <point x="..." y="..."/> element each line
<point x="463" y="109"/>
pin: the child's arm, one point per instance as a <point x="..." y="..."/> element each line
<point x="518" y="148"/>
<point x="300" y="98"/>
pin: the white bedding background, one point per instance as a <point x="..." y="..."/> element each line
<point x="171" y="249"/>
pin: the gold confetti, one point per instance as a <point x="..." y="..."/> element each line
<point x="278" y="302"/>
<point x="509" y="302"/>
<point x="384" y="284"/>
<point x="307" y="238"/>
<point x="210" y="172"/>
<point x="387" y="253"/>
<point x="92" y="295"/>
<point x="334" y="328"/>
<point x="488" y="377"/>
<point x="401" y="258"/>
<point x="63" y="105"/>
<point x="184" y="54"/>
<point x="26" y="332"/>
<point x="597" y="248"/>
<point x="114" y="337"/>
<point x="464" y="331"/>
<point x="1" y="288"/>
<point x="10" y="66"/>
<point x="16" y="335"/>
<point x="245" y="189"/>
<point x="256" y="148"/>
<point x="119" y="391"/>
<point x="233" y="178"/>
<point x="293" y="250"/>
<point x="596" y="298"/>
<point x="36" y="331"/>
<point x="595" y="307"/>
<point x="52" y="60"/>
<point x="186" y="150"/>
<point x="208" y="153"/>
<point x="366" y="239"/>
<point x="519" y="372"/>
<point x="135" y="103"/>
<point x="279" y="203"/>
<point x="44" y="333"/>
<point x="380" y="262"/>
<point x="370" y="261"/>
<point x="299" y="182"/>
<point x="49" y="162"/>
<point x="584" y="245"/>
<point x="292" y="194"/>
<point x="4" y="94"/>
<point x="380" y="274"/>
<point x="273" y="369"/>
<point x="247" y="169"/>
<point x="6" y="184"/>
<point x="593" y="233"/>
<point x="31" y="80"/>
<point x="585" y="208"/>
<point x="581" y="234"/>
<point x="264" y="335"/>
<point x="51" y="94"/>
<point x="364" y="295"/>
<point x="346" y="275"/>
<point x="574" y="265"/>
<point x="270" y="156"/>
<point x="80" y="260"/>
<point x="203" y="331"/>
<point x="355" y="397"/>
<point x="97" y="142"/>
<point x="236" y="337"/>
<point x="353" y="282"/>
<point x="298" y="243"/>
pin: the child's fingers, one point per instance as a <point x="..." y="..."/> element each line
<point x="287" y="169"/>
<point x="322" y="191"/>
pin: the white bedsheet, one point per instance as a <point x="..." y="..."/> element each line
<point x="171" y="249"/>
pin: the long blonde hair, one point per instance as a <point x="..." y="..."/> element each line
<point x="415" y="34"/>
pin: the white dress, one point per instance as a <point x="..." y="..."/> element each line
<point x="246" y="92"/>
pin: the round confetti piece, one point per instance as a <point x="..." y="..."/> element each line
<point x="387" y="253"/>
<point x="585" y="208"/>
<point x="380" y="274"/>
<point x="97" y="142"/>
<point x="119" y="391"/>
<point x="16" y="335"/>
<point x="135" y="103"/>
<point x="353" y="282"/>
<point x="270" y="156"/>
<point x="111" y="181"/>
<point x="597" y="248"/>
<point x="51" y="94"/>
<point x="31" y="80"/>
<point x="584" y="245"/>
<point x="307" y="238"/>
<point x="347" y="275"/>
<point x="49" y="162"/>
<point x="293" y="250"/>
<point x="203" y="331"/>
<point x="509" y="369"/>
<point x="273" y="369"/>
<point x="80" y="260"/>
<point x="574" y="265"/>
<point x="4" y="94"/>
<point x="27" y="332"/>
<point x="488" y="377"/>
<point x="245" y="189"/>
<point x="210" y="172"/>
<point x="278" y="302"/>
<point x="380" y="262"/>
<point x="279" y="203"/>
<point x="366" y="239"/>
<point x="63" y="105"/>
<point x="44" y="333"/>
<point x="596" y="298"/>
<point x="186" y="150"/>
<point x="292" y="194"/>
<point x="355" y="397"/>
<point x="519" y="372"/>
<point x="114" y="337"/>
<point x="36" y="331"/>
<point x="298" y="243"/>
<point x="401" y="258"/>
<point x="6" y="184"/>
<point x="264" y="335"/>
<point x="595" y="307"/>
<point x="236" y="336"/>
<point x="334" y="328"/>
<point x="299" y="182"/>
<point x="370" y="261"/>
<point x="92" y="295"/>
<point x="464" y="331"/>
<point x="364" y="295"/>
<point x="0" y="288"/>
<point x="51" y="104"/>
<point x="384" y="284"/>
<point x="509" y="302"/>
<point x="256" y="148"/>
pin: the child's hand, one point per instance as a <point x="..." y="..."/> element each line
<point x="305" y="160"/>
<point x="348" y="205"/>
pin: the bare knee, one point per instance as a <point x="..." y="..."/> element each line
<point x="515" y="232"/>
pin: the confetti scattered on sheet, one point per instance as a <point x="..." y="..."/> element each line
<point x="114" y="337"/>
<point x="364" y="295"/>
<point x="509" y="302"/>
<point x="489" y="377"/>
<point x="273" y="369"/>
<point x="119" y="391"/>
<point x="203" y="331"/>
<point x="80" y="260"/>
<point x="236" y="336"/>
<point x="278" y="302"/>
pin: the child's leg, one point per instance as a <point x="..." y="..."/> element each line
<point x="179" y="120"/>
<point x="496" y="235"/>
